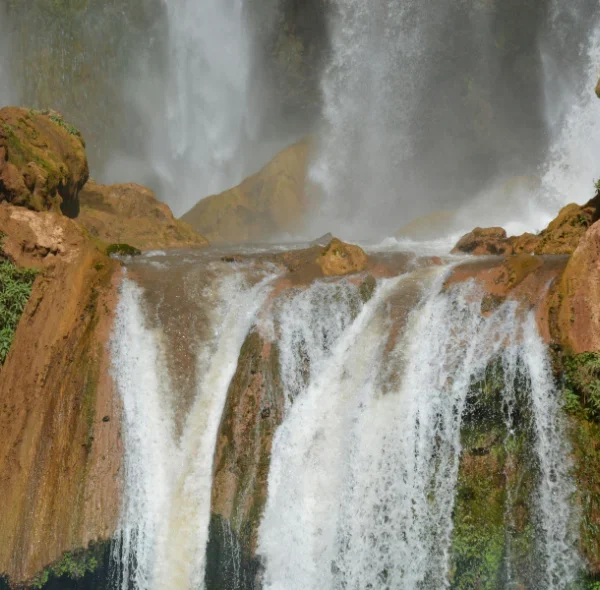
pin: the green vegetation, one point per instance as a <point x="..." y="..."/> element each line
<point x="582" y="384"/>
<point x="122" y="250"/>
<point x="15" y="289"/>
<point x="58" y="120"/>
<point x="72" y="565"/>
<point x="597" y="185"/>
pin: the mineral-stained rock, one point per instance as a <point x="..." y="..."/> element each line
<point x="340" y="258"/>
<point x="482" y="241"/>
<point x="131" y="214"/>
<point x="270" y="203"/>
<point x="43" y="164"/>
<point x="59" y="461"/>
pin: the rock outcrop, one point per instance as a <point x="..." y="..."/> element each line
<point x="269" y="204"/>
<point x="482" y="241"/>
<point x="43" y="164"/>
<point x="59" y="417"/>
<point x="562" y="235"/>
<point x="131" y="214"/>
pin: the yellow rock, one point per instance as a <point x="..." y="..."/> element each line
<point x="340" y="258"/>
<point x="267" y="204"/>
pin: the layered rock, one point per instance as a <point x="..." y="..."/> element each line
<point x="59" y="418"/>
<point x="269" y="204"/>
<point x="43" y="164"/>
<point x="131" y="214"/>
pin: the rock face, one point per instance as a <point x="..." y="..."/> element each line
<point x="59" y="458"/>
<point x="254" y="410"/>
<point x="131" y="214"/>
<point x="578" y="296"/>
<point x="270" y="203"/>
<point x="560" y="237"/>
<point x="43" y="164"/>
<point x="340" y="259"/>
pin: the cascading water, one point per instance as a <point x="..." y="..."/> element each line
<point x="210" y="120"/>
<point x="162" y="537"/>
<point x="431" y="106"/>
<point x="364" y="468"/>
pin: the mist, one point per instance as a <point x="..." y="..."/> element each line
<point x="416" y="107"/>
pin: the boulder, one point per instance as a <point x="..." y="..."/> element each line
<point x="43" y="164"/>
<point x="482" y="241"/>
<point x="131" y="214"/>
<point x="340" y="258"/>
<point x="268" y="204"/>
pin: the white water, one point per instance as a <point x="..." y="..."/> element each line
<point x="210" y="117"/>
<point x="383" y="53"/>
<point x="364" y="467"/>
<point x="163" y="531"/>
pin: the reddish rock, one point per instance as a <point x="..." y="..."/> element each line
<point x="484" y="241"/>
<point x="59" y="459"/>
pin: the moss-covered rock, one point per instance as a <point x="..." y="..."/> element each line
<point x="339" y="259"/>
<point x="43" y="163"/>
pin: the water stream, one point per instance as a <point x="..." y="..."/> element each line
<point x="367" y="469"/>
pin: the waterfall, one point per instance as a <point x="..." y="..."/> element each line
<point x="163" y="529"/>
<point x="431" y="106"/>
<point x="365" y="466"/>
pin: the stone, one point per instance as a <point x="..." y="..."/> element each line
<point x="267" y="205"/>
<point x="340" y="258"/>
<point x="131" y="214"/>
<point x="43" y="164"/>
<point x="483" y="241"/>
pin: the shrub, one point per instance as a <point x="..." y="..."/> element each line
<point x="15" y="289"/>
<point x="122" y="250"/>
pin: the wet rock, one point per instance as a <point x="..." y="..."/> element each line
<point x="265" y="205"/>
<point x="339" y="258"/>
<point x="131" y="213"/>
<point x="484" y="241"/>
<point x="43" y="164"/>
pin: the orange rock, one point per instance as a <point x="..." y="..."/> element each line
<point x="131" y="214"/>
<point x="340" y="258"/>
<point x="59" y="461"/>
<point x="578" y="296"/>
<point x="43" y="164"/>
<point x="484" y="241"/>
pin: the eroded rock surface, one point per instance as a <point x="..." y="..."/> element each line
<point x="43" y="164"/>
<point x="131" y="214"/>
<point x="60" y="457"/>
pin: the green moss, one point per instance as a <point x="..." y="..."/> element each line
<point x="57" y="119"/>
<point x="15" y="290"/>
<point x="582" y="384"/>
<point x="122" y="250"/>
<point x="367" y="288"/>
